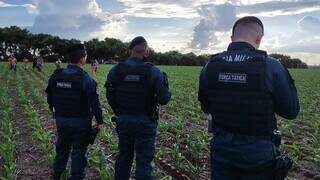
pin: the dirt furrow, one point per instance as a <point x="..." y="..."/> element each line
<point x="29" y="162"/>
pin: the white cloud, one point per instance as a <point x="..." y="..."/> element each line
<point x="188" y="8"/>
<point x="304" y="43"/>
<point x="212" y="21"/>
<point x="311" y="45"/>
<point x="305" y="39"/>
<point x="82" y="19"/>
<point x="279" y="8"/>
<point x="217" y="19"/>
<point x="32" y="9"/>
<point x="209" y="37"/>
<point x="309" y="23"/>
<point x="159" y="9"/>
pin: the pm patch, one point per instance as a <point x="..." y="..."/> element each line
<point x="233" y="78"/>
<point x="64" y="85"/>
<point x="132" y="78"/>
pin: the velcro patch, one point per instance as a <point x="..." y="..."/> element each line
<point x="233" y="78"/>
<point x="64" y="85"/>
<point x="132" y="78"/>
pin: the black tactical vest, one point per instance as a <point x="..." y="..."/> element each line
<point x="69" y="99"/>
<point x="134" y="90"/>
<point x="239" y="99"/>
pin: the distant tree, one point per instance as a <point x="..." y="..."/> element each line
<point x="91" y="47"/>
<point x="289" y="62"/>
<point x="23" y="44"/>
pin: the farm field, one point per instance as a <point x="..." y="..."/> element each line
<point x="27" y="131"/>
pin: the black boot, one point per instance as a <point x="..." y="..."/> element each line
<point x="57" y="176"/>
<point x="76" y="178"/>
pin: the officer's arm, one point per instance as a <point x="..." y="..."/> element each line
<point x="49" y="94"/>
<point x="161" y="86"/>
<point x="93" y="100"/>
<point x="284" y="92"/>
<point x="110" y="90"/>
<point x="202" y="92"/>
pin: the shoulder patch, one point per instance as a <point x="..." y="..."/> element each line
<point x="262" y="53"/>
<point x="120" y="65"/>
<point x="214" y="56"/>
<point x="270" y="58"/>
<point x="149" y="63"/>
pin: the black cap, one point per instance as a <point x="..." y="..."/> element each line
<point x="76" y="48"/>
<point x="248" y="19"/>
<point x="136" y="41"/>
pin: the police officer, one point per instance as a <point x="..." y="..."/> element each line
<point x="72" y="96"/>
<point x="242" y="89"/>
<point x="134" y="90"/>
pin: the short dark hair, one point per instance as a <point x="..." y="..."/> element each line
<point x="137" y="41"/>
<point x="248" y="19"/>
<point x="76" y="52"/>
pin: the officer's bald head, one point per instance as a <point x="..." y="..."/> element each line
<point x="248" y="29"/>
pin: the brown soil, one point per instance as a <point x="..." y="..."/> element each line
<point x="29" y="162"/>
<point x="41" y="75"/>
<point x="172" y="171"/>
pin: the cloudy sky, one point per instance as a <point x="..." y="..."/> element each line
<point x="201" y="26"/>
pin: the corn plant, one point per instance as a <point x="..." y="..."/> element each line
<point x="7" y="158"/>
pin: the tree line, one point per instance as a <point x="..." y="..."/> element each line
<point x="289" y="62"/>
<point x="23" y="44"/>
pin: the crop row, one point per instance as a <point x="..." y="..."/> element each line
<point x="7" y="159"/>
<point x="39" y="134"/>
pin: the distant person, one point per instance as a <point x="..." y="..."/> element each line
<point x="34" y="63"/>
<point x="94" y="66"/>
<point x="134" y="90"/>
<point x="26" y="62"/>
<point x="242" y="89"/>
<point x="72" y="97"/>
<point x="1" y="56"/>
<point x="58" y="64"/>
<point x="40" y="63"/>
<point x="12" y="62"/>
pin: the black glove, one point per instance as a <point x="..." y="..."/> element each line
<point x="283" y="164"/>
